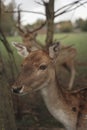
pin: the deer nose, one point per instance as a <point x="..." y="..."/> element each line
<point x="16" y="90"/>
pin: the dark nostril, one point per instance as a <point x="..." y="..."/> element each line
<point x="17" y="90"/>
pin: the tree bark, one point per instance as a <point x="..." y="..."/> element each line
<point x="49" y="10"/>
<point x="7" y="120"/>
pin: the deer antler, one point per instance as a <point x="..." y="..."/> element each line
<point x="19" y="20"/>
<point x="19" y="23"/>
<point x="28" y="36"/>
<point x="20" y="29"/>
<point x="35" y="30"/>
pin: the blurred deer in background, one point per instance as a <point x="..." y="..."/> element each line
<point x="28" y="36"/>
<point x="66" y="56"/>
<point x="39" y="74"/>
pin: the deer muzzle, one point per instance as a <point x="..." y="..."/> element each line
<point x="17" y="90"/>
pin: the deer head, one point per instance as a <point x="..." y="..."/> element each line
<point x="64" y="56"/>
<point x="36" y="67"/>
<point x="29" y="37"/>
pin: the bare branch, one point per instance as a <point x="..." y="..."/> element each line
<point x="82" y="4"/>
<point x="20" y="29"/>
<point x="33" y="12"/>
<point x="25" y="11"/>
<point x="0" y="10"/>
<point x="5" y="42"/>
<point x="19" y="15"/>
<point x="19" y="20"/>
<point x="74" y="8"/>
<point x="70" y="4"/>
<point x="69" y="7"/>
<point x="39" y="3"/>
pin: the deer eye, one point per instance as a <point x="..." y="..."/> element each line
<point x="43" y="67"/>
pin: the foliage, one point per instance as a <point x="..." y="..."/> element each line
<point x="38" y="23"/>
<point x="65" y="26"/>
<point x="79" y="22"/>
<point x="7" y="19"/>
<point x="82" y="24"/>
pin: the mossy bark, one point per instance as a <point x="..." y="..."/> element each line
<point x="49" y="10"/>
<point x="7" y="120"/>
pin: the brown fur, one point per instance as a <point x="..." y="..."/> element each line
<point x="68" y="107"/>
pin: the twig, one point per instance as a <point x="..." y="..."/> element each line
<point x="70" y="4"/>
<point x="82" y="4"/>
<point x="39" y="3"/>
<point x="66" y="6"/>
<point x="77" y="6"/>
<point x="25" y="11"/>
<point x="67" y="10"/>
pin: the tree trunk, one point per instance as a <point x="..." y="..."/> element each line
<point x="49" y="9"/>
<point x="7" y="120"/>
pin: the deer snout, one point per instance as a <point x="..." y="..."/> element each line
<point x="17" y="90"/>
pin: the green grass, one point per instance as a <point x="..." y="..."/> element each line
<point x="78" y="40"/>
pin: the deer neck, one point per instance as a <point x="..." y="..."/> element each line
<point x="57" y="105"/>
<point x="52" y="93"/>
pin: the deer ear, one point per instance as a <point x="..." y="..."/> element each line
<point x="21" y="49"/>
<point x="54" y="49"/>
